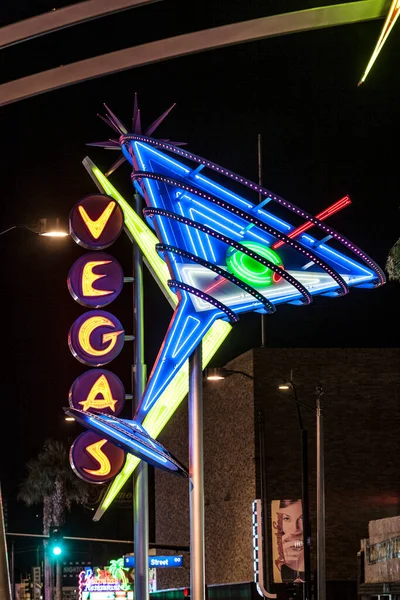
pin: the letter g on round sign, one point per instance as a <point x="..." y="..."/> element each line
<point x="96" y="338"/>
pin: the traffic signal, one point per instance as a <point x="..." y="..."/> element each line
<point x="56" y="541"/>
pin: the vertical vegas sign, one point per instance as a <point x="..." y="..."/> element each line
<point x="97" y="336"/>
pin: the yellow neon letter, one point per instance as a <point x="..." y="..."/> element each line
<point x="95" y="450"/>
<point x="88" y="279"/>
<point x="96" y="227"/>
<point x="87" y="329"/>
<point x="101" y="386"/>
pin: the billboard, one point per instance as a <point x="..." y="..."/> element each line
<point x="287" y="541"/>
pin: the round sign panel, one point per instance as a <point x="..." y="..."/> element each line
<point x="96" y="221"/>
<point x="95" y="279"/>
<point x="95" y="459"/>
<point x="98" y="391"/>
<point x="96" y="338"/>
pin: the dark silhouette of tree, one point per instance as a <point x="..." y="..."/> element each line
<point x="51" y="482"/>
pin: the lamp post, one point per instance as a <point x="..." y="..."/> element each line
<point x="217" y="374"/>
<point x="48" y="228"/>
<point x="304" y="489"/>
<point x="321" y="571"/>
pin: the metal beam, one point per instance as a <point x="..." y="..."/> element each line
<point x="63" y="17"/>
<point x="218" y="37"/>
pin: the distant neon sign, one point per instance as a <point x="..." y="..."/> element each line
<point x="115" y="579"/>
<point x="95" y="280"/>
<point x="96" y="222"/>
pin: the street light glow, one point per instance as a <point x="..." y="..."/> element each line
<point x="54" y="234"/>
<point x="284" y="387"/>
<point x="69" y="419"/>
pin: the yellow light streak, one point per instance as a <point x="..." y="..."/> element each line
<point x="391" y="19"/>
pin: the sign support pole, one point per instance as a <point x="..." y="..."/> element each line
<point x="141" y="491"/>
<point x="196" y="476"/>
<point x="321" y="574"/>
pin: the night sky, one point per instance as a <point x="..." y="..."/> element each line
<point x="323" y="137"/>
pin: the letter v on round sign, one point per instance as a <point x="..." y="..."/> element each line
<point x="96" y="221"/>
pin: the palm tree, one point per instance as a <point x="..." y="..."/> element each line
<point x="117" y="570"/>
<point x="51" y="482"/>
<point x="393" y="262"/>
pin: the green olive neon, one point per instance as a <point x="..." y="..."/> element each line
<point x="249" y="269"/>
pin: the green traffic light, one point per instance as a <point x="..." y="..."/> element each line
<point x="57" y="550"/>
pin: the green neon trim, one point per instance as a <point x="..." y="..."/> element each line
<point x="249" y="269"/>
<point x="177" y="390"/>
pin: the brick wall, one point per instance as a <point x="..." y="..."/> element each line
<point x="362" y="441"/>
<point x="362" y="424"/>
<point x="229" y="481"/>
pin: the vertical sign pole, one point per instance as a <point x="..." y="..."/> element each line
<point x="196" y="476"/>
<point x="141" y="491"/>
<point x="320" y="499"/>
<point x="259" y="156"/>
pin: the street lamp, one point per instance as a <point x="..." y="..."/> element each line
<point x="321" y="572"/>
<point x="304" y="487"/>
<point x="218" y="374"/>
<point x="44" y="227"/>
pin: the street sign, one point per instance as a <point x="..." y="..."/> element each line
<point x="156" y="562"/>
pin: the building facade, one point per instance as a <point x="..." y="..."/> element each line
<point x="362" y="469"/>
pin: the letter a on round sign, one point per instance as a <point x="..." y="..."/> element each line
<point x="98" y="391"/>
<point x="96" y="221"/>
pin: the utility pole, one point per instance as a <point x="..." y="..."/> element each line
<point x="196" y="476"/>
<point x="141" y="485"/>
<point x="259" y="156"/>
<point x="321" y="570"/>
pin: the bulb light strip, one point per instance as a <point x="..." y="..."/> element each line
<point x="265" y="192"/>
<point x="270" y="308"/>
<point x="307" y="298"/>
<point x="180" y="285"/>
<point x="391" y="19"/>
<point x="255" y="221"/>
<point x="162" y="411"/>
<point x="331" y="210"/>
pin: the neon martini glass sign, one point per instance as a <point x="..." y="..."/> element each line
<point x="225" y="254"/>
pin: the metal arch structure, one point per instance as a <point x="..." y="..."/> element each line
<point x="61" y="18"/>
<point x="215" y="38"/>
